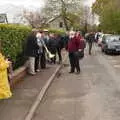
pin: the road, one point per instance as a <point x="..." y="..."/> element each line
<point x="92" y="95"/>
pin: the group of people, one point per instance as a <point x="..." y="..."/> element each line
<point x="39" y="46"/>
<point x="42" y="43"/>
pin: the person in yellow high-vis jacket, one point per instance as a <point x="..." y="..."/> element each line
<point x="4" y="84"/>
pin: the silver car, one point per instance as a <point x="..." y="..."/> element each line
<point x="111" y="44"/>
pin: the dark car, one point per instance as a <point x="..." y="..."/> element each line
<point x="111" y="44"/>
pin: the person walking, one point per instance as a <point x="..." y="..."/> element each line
<point x="90" y="39"/>
<point x="31" y="51"/>
<point x="73" y="48"/>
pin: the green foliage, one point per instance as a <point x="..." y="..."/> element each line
<point x="54" y="8"/>
<point x="56" y="31"/>
<point x="13" y="40"/>
<point x="109" y="12"/>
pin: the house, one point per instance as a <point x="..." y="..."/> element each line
<point x="3" y="18"/>
<point x="56" y="23"/>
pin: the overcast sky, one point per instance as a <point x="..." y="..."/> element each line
<point x="89" y="2"/>
<point x="26" y="3"/>
<point x="34" y="3"/>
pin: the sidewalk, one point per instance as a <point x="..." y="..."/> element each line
<point x="24" y="95"/>
<point x="92" y="95"/>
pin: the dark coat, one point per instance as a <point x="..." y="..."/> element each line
<point x="31" y="49"/>
<point x="52" y="45"/>
<point x="60" y="42"/>
<point x="91" y="38"/>
<point x="65" y="39"/>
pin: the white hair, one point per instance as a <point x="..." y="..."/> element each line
<point x="38" y="35"/>
<point x="71" y="34"/>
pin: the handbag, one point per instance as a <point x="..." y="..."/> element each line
<point x="80" y="54"/>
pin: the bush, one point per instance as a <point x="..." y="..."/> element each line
<point x="56" y="31"/>
<point x="13" y="40"/>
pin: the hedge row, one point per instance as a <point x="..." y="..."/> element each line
<point x="56" y="31"/>
<point x="12" y="41"/>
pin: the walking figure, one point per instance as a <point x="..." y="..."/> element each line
<point x="90" y="39"/>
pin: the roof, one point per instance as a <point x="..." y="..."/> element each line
<point x="53" y="19"/>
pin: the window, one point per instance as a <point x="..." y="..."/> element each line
<point x="61" y="24"/>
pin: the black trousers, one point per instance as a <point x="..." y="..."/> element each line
<point x="37" y="61"/>
<point x="90" y="44"/>
<point x="74" y="62"/>
<point x="53" y="51"/>
<point x="43" y="60"/>
<point x="59" y="54"/>
<point x="53" y="60"/>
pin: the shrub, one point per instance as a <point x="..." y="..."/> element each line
<point x="13" y="40"/>
<point x="56" y="31"/>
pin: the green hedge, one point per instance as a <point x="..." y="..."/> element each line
<point x="56" y="31"/>
<point x="13" y="40"/>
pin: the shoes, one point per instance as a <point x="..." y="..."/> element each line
<point x="32" y="73"/>
<point x="78" y="72"/>
<point x="89" y="53"/>
<point x="71" y="72"/>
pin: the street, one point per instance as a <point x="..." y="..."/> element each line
<point x="92" y="95"/>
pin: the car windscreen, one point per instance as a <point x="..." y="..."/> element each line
<point x="113" y="39"/>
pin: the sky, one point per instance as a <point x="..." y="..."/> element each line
<point x="89" y="2"/>
<point x="33" y="3"/>
<point x="13" y="7"/>
<point x="25" y="3"/>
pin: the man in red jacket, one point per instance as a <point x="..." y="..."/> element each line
<point x="73" y="48"/>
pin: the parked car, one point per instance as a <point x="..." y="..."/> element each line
<point x="110" y="43"/>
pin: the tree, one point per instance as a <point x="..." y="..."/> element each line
<point x="109" y="12"/>
<point x="34" y="18"/>
<point x="61" y="7"/>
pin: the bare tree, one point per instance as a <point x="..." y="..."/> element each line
<point x="34" y="18"/>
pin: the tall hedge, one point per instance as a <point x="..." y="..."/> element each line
<point x="56" y="31"/>
<point x="13" y="40"/>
